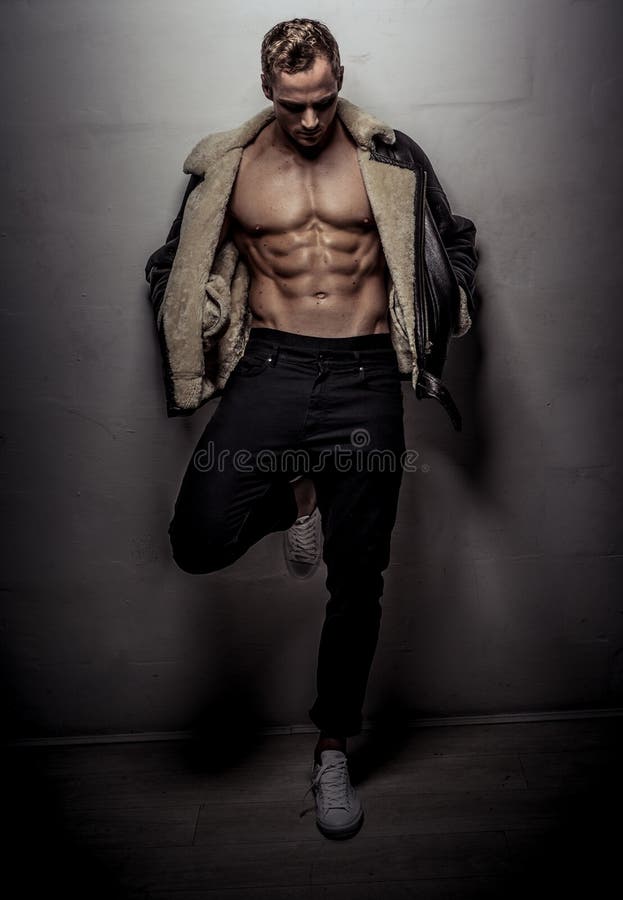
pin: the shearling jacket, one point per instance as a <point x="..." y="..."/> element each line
<point x="200" y="297"/>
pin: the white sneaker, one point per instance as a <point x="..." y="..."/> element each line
<point x="339" y="813"/>
<point x="302" y="545"/>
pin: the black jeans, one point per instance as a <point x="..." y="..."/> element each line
<point x="330" y="408"/>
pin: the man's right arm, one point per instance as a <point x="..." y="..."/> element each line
<point x="159" y="264"/>
<point x="157" y="273"/>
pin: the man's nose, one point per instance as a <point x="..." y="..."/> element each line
<point x="310" y="119"/>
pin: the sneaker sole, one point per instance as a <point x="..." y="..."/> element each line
<point x="338" y="834"/>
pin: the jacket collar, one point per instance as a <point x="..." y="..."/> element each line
<point x="361" y="125"/>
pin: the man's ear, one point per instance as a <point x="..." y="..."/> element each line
<point x="266" y="87"/>
<point x="340" y="79"/>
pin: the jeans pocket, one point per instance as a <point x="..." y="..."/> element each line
<point x="252" y="365"/>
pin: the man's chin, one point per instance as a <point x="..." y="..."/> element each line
<point x="310" y="144"/>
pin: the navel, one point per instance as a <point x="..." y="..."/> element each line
<point x="320" y="294"/>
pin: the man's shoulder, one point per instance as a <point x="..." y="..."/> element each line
<point x="403" y="152"/>
<point x="215" y="146"/>
<point x="386" y="144"/>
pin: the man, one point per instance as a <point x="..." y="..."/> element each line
<point x="313" y="266"/>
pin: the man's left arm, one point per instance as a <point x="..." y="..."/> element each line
<point x="458" y="234"/>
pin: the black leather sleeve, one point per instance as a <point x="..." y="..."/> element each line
<point x="458" y="233"/>
<point x="158" y="267"/>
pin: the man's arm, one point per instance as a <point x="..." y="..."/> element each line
<point x="159" y="264"/>
<point x="158" y="267"/>
<point x="457" y="233"/>
<point x="157" y="273"/>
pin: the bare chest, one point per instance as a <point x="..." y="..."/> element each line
<point x="277" y="193"/>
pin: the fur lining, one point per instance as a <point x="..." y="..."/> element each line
<point x="391" y="192"/>
<point x="361" y="125"/>
<point x="465" y="320"/>
<point x="210" y="149"/>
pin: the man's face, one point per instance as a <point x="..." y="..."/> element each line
<point x="305" y="104"/>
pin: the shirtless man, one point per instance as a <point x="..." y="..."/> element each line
<point x="309" y="429"/>
<point x="300" y="215"/>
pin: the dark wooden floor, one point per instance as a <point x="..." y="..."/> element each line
<point x="478" y="811"/>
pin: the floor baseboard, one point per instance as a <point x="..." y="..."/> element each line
<point x="431" y="722"/>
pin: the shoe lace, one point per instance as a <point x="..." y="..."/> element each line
<point x="334" y="778"/>
<point x="303" y="539"/>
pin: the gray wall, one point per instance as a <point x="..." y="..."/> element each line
<point x="503" y="593"/>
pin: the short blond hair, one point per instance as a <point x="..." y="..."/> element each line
<point x="293" y="46"/>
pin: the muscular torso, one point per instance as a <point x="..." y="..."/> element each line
<point x="307" y="232"/>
